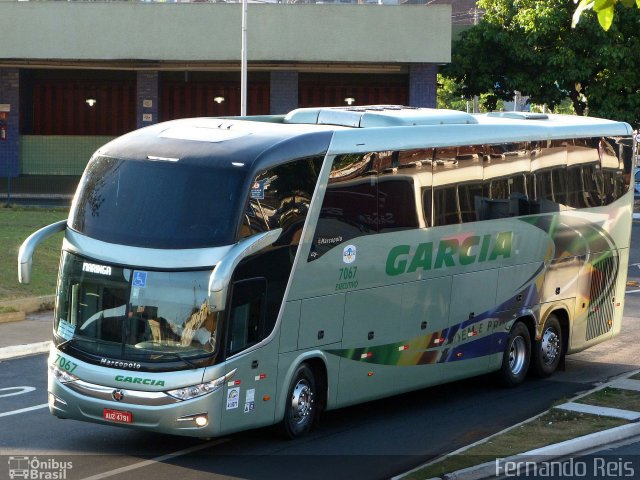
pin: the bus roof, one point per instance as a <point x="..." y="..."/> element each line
<point x="425" y="128"/>
<point x="262" y="141"/>
<point x="221" y="142"/>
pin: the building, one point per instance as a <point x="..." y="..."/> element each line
<point x="73" y="75"/>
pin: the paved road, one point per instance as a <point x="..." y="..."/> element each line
<point x="370" y="441"/>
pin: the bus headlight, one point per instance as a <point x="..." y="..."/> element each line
<point x="187" y="393"/>
<point x="62" y="375"/>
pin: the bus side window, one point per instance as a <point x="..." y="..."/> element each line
<point x="445" y="205"/>
<point x="427" y="206"/>
<point x="615" y="184"/>
<point x="350" y="205"/>
<point x="280" y="198"/>
<point x="247" y="315"/>
<point x="397" y="206"/>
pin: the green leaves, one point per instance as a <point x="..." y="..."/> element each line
<point x="530" y="47"/>
<point x="605" y="10"/>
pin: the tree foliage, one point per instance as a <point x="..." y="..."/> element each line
<point x="531" y="47"/>
<point x="605" y="10"/>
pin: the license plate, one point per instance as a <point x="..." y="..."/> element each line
<point x="117" y="416"/>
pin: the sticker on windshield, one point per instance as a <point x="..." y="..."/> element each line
<point x="257" y="190"/>
<point x="66" y="330"/>
<point x="233" y="397"/>
<point x="139" y="279"/>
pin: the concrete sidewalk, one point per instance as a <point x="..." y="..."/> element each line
<point x="26" y="337"/>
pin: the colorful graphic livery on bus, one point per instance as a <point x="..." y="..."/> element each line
<point x="225" y="274"/>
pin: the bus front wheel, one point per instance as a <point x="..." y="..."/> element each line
<point x="547" y="352"/>
<point x="301" y="408"/>
<point x="517" y="355"/>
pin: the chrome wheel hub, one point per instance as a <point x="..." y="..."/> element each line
<point x="301" y="401"/>
<point x="517" y="355"/>
<point x="550" y="347"/>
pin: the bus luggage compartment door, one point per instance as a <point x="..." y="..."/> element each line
<point x="471" y="316"/>
<point x="371" y="324"/>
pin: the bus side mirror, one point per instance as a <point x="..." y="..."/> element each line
<point x="221" y="277"/>
<point x="25" y="254"/>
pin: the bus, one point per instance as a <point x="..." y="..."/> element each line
<point x="221" y="274"/>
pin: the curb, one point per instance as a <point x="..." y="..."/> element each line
<point x="30" y="304"/>
<point x="22" y="350"/>
<point x="555" y="451"/>
<point x="572" y="446"/>
<point x="9" y="317"/>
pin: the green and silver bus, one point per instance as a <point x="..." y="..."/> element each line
<point x="220" y="274"/>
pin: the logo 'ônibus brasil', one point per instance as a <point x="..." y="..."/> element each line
<point x="448" y="253"/>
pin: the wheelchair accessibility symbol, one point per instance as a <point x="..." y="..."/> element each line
<point x="139" y="279"/>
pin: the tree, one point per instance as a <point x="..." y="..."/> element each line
<point x="449" y="97"/>
<point x="530" y="46"/>
<point x="605" y="10"/>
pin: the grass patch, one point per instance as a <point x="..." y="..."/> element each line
<point x="7" y="310"/>
<point x="635" y="377"/>
<point x="614" y="398"/>
<point x="16" y="224"/>
<point x="553" y="427"/>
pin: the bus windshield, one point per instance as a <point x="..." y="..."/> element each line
<point x="132" y="314"/>
<point x="157" y="204"/>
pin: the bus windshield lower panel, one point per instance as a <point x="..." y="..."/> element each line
<point x="134" y="315"/>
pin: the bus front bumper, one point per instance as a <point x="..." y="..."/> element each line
<point x="153" y="411"/>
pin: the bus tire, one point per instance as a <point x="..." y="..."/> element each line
<point x="547" y="352"/>
<point x="301" y="408"/>
<point x="516" y="356"/>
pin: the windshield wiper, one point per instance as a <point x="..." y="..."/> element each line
<point x="79" y="339"/>
<point x="179" y="357"/>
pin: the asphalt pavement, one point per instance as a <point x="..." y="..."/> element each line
<point x="33" y="335"/>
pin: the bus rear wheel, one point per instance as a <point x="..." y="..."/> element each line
<point x="516" y="356"/>
<point x="547" y="352"/>
<point x="301" y="410"/>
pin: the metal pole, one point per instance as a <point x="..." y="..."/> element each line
<point x="475" y="97"/>
<point x="243" y="62"/>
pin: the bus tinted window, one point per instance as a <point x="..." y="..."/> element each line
<point x="445" y="201"/>
<point x="397" y="210"/>
<point x="368" y="193"/>
<point x="457" y="182"/>
<point x="280" y="198"/>
<point x="156" y="204"/>
<point x="389" y="190"/>
<point x="612" y="170"/>
<point x="350" y="205"/>
<point x="584" y="175"/>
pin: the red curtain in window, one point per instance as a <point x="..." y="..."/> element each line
<point x="211" y="99"/>
<point x="62" y="107"/>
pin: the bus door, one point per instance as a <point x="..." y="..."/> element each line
<point x="249" y="394"/>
